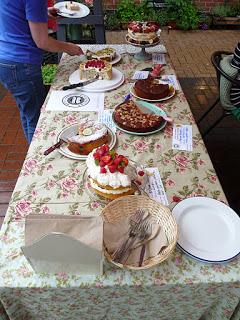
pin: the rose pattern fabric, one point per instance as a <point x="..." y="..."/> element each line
<point x="177" y="289"/>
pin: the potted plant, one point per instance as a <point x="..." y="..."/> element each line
<point x="112" y="22"/>
<point x="226" y="14"/>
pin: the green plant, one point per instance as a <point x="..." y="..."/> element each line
<point x="183" y="12"/>
<point x="127" y="10"/>
<point x="48" y="73"/>
<point x="224" y="10"/>
<point x="112" y="21"/>
<point x="160" y="16"/>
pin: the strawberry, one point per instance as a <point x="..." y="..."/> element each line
<point x="125" y="161"/>
<point x="112" y="168"/>
<point x="141" y="173"/>
<point x="120" y="169"/>
<point x="103" y="170"/>
<point x="102" y="163"/>
<point x="106" y="159"/>
<point x="96" y="155"/>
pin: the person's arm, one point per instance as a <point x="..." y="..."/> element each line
<point x="39" y="32"/>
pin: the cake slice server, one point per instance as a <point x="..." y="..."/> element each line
<point x="80" y="84"/>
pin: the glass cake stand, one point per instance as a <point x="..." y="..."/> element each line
<point x="142" y="55"/>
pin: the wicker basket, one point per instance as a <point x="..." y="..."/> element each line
<point x="128" y="205"/>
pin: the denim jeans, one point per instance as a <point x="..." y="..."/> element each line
<point x="25" y="83"/>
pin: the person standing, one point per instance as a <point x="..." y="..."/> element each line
<point x="235" y="90"/>
<point x="23" y="37"/>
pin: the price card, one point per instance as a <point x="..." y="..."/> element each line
<point x="158" y="58"/>
<point x="140" y="75"/>
<point x="105" y="116"/>
<point x="154" y="187"/>
<point x="182" y="137"/>
<point x="171" y="79"/>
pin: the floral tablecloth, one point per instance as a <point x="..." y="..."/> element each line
<point x="177" y="289"/>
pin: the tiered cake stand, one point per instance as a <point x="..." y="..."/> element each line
<point x="142" y="55"/>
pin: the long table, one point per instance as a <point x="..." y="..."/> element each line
<point x="178" y="289"/>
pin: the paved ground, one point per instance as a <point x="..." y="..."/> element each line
<point x="189" y="53"/>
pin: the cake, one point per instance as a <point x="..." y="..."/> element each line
<point x="90" y="136"/>
<point x="129" y="117"/>
<point x="143" y="32"/>
<point x="110" y="174"/>
<point x="70" y="5"/>
<point x="107" y="54"/>
<point x="151" y="89"/>
<point x="92" y="68"/>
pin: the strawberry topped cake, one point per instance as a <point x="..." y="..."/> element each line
<point x="110" y="174"/>
<point x="92" y="68"/>
<point x="143" y="32"/>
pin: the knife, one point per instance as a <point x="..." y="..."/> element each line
<point x="55" y="146"/>
<point x="80" y="84"/>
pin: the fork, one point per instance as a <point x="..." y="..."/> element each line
<point x="135" y="220"/>
<point x="143" y="234"/>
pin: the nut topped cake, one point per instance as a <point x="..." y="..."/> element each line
<point x="107" y="54"/>
<point x="143" y="32"/>
<point x="129" y="117"/>
<point x="92" y="68"/>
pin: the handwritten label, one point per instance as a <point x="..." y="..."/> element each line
<point x="158" y="58"/>
<point x="171" y="79"/>
<point x="182" y="137"/>
<point x="140" y="75"/>
<point x="154" y="187"/>
<point x="105" y="117"/>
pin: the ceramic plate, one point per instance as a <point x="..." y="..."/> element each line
<point x="100" y="85"/>
<point x="82" y="12"/>
<point x="208" y="229"/>
<point x="72" y="130"/>
<point x="172" y="93"/>
<point x="147" y="108"/>
<point x="116" y="59"/>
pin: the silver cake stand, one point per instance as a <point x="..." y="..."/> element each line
<point x="142" y="55"/>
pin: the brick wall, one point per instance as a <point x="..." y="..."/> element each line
<point x="206" y="5"/>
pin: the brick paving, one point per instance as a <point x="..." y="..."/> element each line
<point x="189" y="52"/>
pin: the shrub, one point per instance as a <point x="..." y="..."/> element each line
<point x="184" y="13"/>
<point x="224" y="10"/>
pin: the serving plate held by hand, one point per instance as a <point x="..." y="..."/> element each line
<point x="73" y="130"/>
<point x="208" y="229"/>
<point x="64" y="12"/>
<point x="171" y="94"/>
<point x="146" y="108"/>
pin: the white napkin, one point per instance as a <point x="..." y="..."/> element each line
<point x="75" y="100"/>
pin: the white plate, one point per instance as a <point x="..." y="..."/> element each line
<point x="208" y="229"/>
<point x="151" y="108"/>
<point x="117" y="58"/>
<point x="132" y="91"/>
<point x="100" y="85"/>
<point x="72" y="130"/>
<point x="83" y="12"/>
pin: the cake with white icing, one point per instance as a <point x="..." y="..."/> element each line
<point x="110" y="174"/>
<point x="143" y="32"/>
<point x="92" y="68"/>
<point x="90" y="136"/>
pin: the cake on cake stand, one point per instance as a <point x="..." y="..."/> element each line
<point x="142" y="55"/>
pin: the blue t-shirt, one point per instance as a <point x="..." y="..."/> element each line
<point x="16" y="42"/>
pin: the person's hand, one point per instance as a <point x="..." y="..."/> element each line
<point x="53" y="13"/>
<point x="73" y="49"/>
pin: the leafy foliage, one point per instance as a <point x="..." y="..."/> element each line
<point x="184" y="13"/>
<point x="225" y="10"/>
<point x="48" y="73"/>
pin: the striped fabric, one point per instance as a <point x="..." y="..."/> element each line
<point x="235" y="91"/>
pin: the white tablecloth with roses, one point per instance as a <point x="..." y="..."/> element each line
<point x="177" y="289"/>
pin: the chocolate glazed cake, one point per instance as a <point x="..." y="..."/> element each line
<point x="151" y="89"/>
<point x="128" y="116"/>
